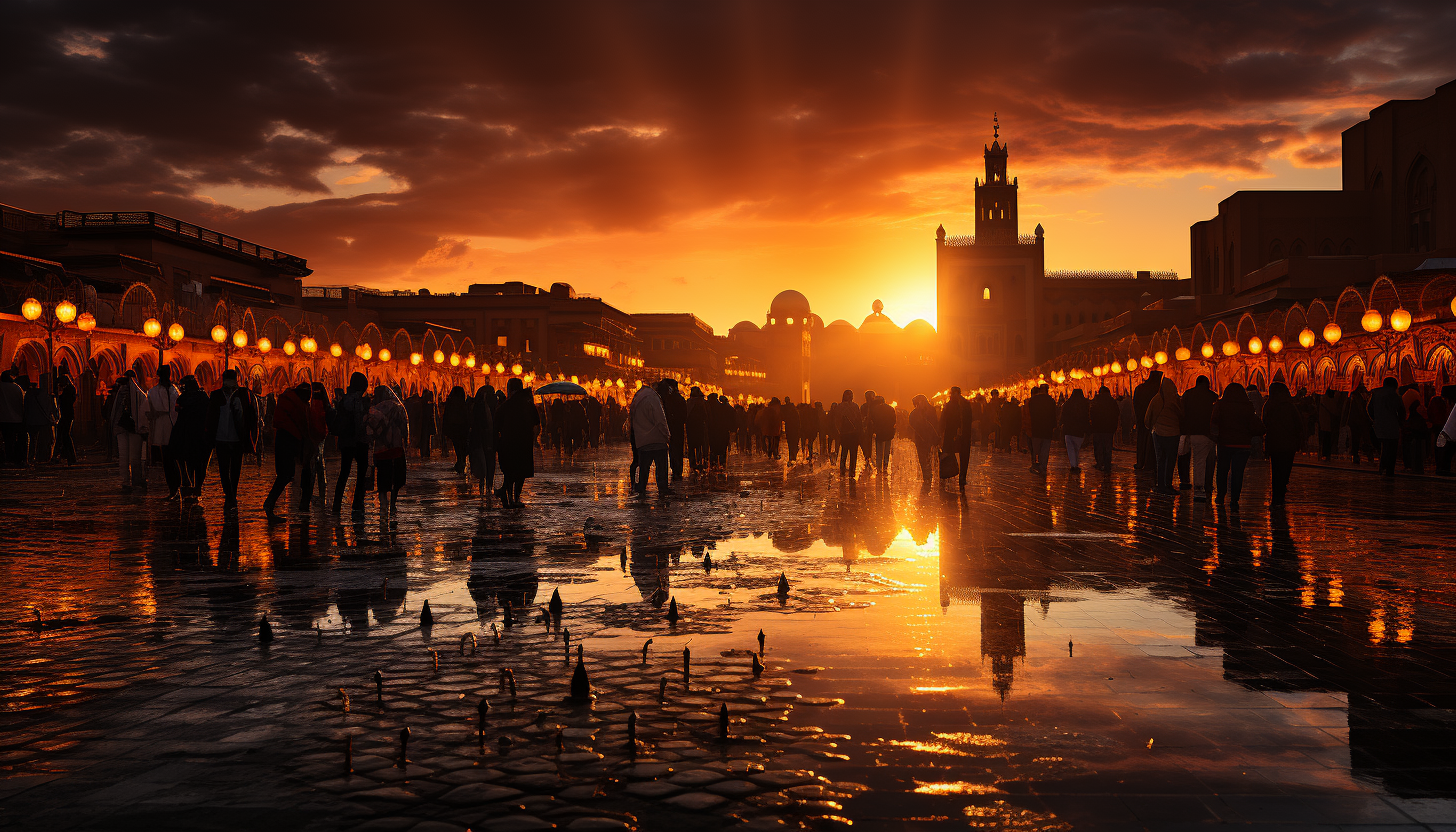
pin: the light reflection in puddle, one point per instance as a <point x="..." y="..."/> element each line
<point x="957" y="787"/>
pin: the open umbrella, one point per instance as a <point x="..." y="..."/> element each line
<point x="561" y="388"/>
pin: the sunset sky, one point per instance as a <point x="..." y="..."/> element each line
<point x="691" y="156"/>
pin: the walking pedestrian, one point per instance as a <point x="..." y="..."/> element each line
<point x="955" y="439"/>
<point x="482" y="439"/>
<point x="455" y="424"/>
<point x="387" y="428"/>
<point x="232" y="428"/>
<point x="1387" y="415"/>
<point x="848" y="425"/>
<point x="927" y="437"/>
<point x="1235" y="424"/>
<point x="161" y="416"/>
<point x="1041" y="411"/>
<point x="1198" y="405"/>
<point x="292" y="446"/>
<point x="517" y="423"/>
<point x="1164" y="419"/>
<point x="882" y="419"/>
<point x="128" y="424"/>
<point x="1076" y="424"/>
<point x="350" y="429"/>
<point x="12" y="418"/>
<point x="188" y="443"/>
<point x="651" y="437"/>
<point x="1286" y="427"/>
<point x="1104" y="418"/>
<point x="66" y="407"/>
<point x="1142" y="395"/>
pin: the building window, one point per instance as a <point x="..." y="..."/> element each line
<point x="986" y="293"/>
<point x="1421" y="194"/>
<point x="500" y="340"/>
<point x="1276" y="251"/>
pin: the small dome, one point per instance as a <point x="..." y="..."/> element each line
<point x="840" y="323"/>
<point x="743" y="326"/>
<point x="919" y="326"/>
<point x="878" y="322"/>
<point x="789" y="304"/>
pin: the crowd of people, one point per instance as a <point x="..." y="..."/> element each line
<point x="1204" y="438"/>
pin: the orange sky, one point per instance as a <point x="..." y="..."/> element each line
<point x="692" y="157"/>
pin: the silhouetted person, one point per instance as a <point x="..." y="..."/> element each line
<point x="12" y="418"/>
<point x="189" y="443"/>
<point x="40" y="421"/>
<point x="424" y="432"/>
<point x="1104" y="416"/>
<point x="651" y="438"/>
<point x="232" y="428"/>
<point x="292" y="446"/>
<point x="955" y="421"/>
<point x="676" y="409"/>
<point x="1076" y="424"/>
<point x="924" y="432"/>
<point x="455" y="424"/>
<point x="517" y="424"/>
<point x="1164" y="420"/>
<point x="790" y="415"/>
<point x="1357" y="417"/>
<point x="350" y="416"/>
<point x="770" y="427"/>
<point x="66" y="407"/>
<point x="1198" y="406"/>
<point x="482" y="438"/>
<point x="1413" y="434"/>
<point x="1141" y="396"/>
<point x="1387" y="415"/>
<point x="161" y="416"/>
<point x="882" y="422"/>
<point x="1236" y="425"/>
<point x="128" y="425"/>
<point x="848" y="425"/>
<point x="1285" y="429"/>
<point x="387" y="428"/>
<point x="1043" y="413"/>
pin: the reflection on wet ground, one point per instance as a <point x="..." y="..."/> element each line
<point x="1067" y="653"/>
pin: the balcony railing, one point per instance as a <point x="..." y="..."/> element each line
<point x="991" y="240"/>
<point x="1107" y="274"/>
<point x="131" y="219"/>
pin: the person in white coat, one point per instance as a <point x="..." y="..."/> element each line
<point x="129" y="423"/>
<point x="650" y="438"/>
<point x="161" y="416"/>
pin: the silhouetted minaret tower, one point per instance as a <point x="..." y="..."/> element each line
<point x="996" y="197"/>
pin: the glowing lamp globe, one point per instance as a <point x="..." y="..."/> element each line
<point x="1332" y="332"/>
<point x="1306" y="337"/>
<point x="335" y="349"/>
<point x="1117" y="366"/>
<point x="1147" y="362"/>
<point x="516" y="370"/>
<point x="1183" y="354"/>
<point x="439" y="356"/>
<point x="1400" y="319"/>
<point x="1255" y="346"/>
<point x="65" y="311"/>
<point x="366" y="352"/>
<point x="1276" y="344"/>
<point x="1206" y="349"/>
<point x="1230" y="348"/>
<point x="240" y="339"/>
<point x="308" y="344"/>
<point x="219" y="334"/>
<point x="1097" y="371"/>
<point x="1371" y="320"/>
<point x="86" y="322"/>
<point x="1160" y="357"/>
<point x="384" y="355"/>
<point x="264" y="345"/>
<point x="31" y="309"/>
<point x="151" y="327"/>
<point x="470" y="361"/>
<point x="621" y="384"/>
<point x="176" y="332"/>
<point x="289" y="348"/>
<point x="499" y="368"/>
<point x="416" y="358"/>
<point x="575" y="380"/>
<point x="454" y="359"/>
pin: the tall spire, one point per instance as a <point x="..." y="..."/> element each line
<point x="995" y="126"/>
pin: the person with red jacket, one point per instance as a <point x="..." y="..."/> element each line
<point x="297" y="429"/>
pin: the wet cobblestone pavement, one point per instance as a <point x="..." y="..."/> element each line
<point x="1059" y="653"/>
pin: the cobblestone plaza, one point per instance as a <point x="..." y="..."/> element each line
<point x="1068" y="652"/>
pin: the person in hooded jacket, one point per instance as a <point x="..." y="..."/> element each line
<point x="1105" y="414"/>
<point x="1236" y="424"/>
<point x="1286" y="428"/>
<point x="1076" y="424"/>
<point x="651" y="438"/>
<point x="1164" y="419"/>
<point x="350" y="417"/>
<point x="455" y="424"/>
<point x="188" y="442"/>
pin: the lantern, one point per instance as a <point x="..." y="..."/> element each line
<point x="384" y="354"/>
<point x="1183" y="354"/>
<point x="1097" y="371"/>
<point x="1371" y="320"/>
<point x="151" y="327"/>
<point x="1400" y="319"/>
<point x="620" y="384"/>
<point x="1207" y="349"/>
<point x="470" y="361"/>
<point x="1146" y="362"/>
<point x="1255" y="345"/>
<point x="499" y="368"/>
<point x="289" y="348"/>
<point x="219" y="334"/>
<point x="1276" y="344"/>
<point x="1160" y="357"/>
<point x="439" y="356"/>
<point x="86" y="322"/>
<point x="308" y="344"/>
<point x="240" y="339"/>
<point x="366" y="352"/>
<point x="176" y="332"/>
<point x="517" y="368"/>
<point x="454" y="359"/>
<point x="574" y="380"/>
<point x="65" y="311"/>
<point x="335" y="349"/>
<point x="1231" y="348"/>
<point x="1332" y="332"/>
<point x="1117" y="366"/>
<point x="416" y="358"/>
<point x="264" y="345"/>
<point x="1306" y="337"/>
<point x="31" y="309"/>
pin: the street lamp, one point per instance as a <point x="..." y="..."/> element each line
<point x="63" y="312"/>
<point x="1332" y="333"/>
<point x="152" y="328"/>
<point x="1306" y="337"/>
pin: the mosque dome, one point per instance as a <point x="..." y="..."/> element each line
<point x="743" y="327"/>
<point x="788" y="305"/>
<point x="919" y="327"/>
<point x="877" y="322"/>
<point x="840" y="323"/>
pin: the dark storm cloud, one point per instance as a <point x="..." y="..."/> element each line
<point x="537" y="119"/>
